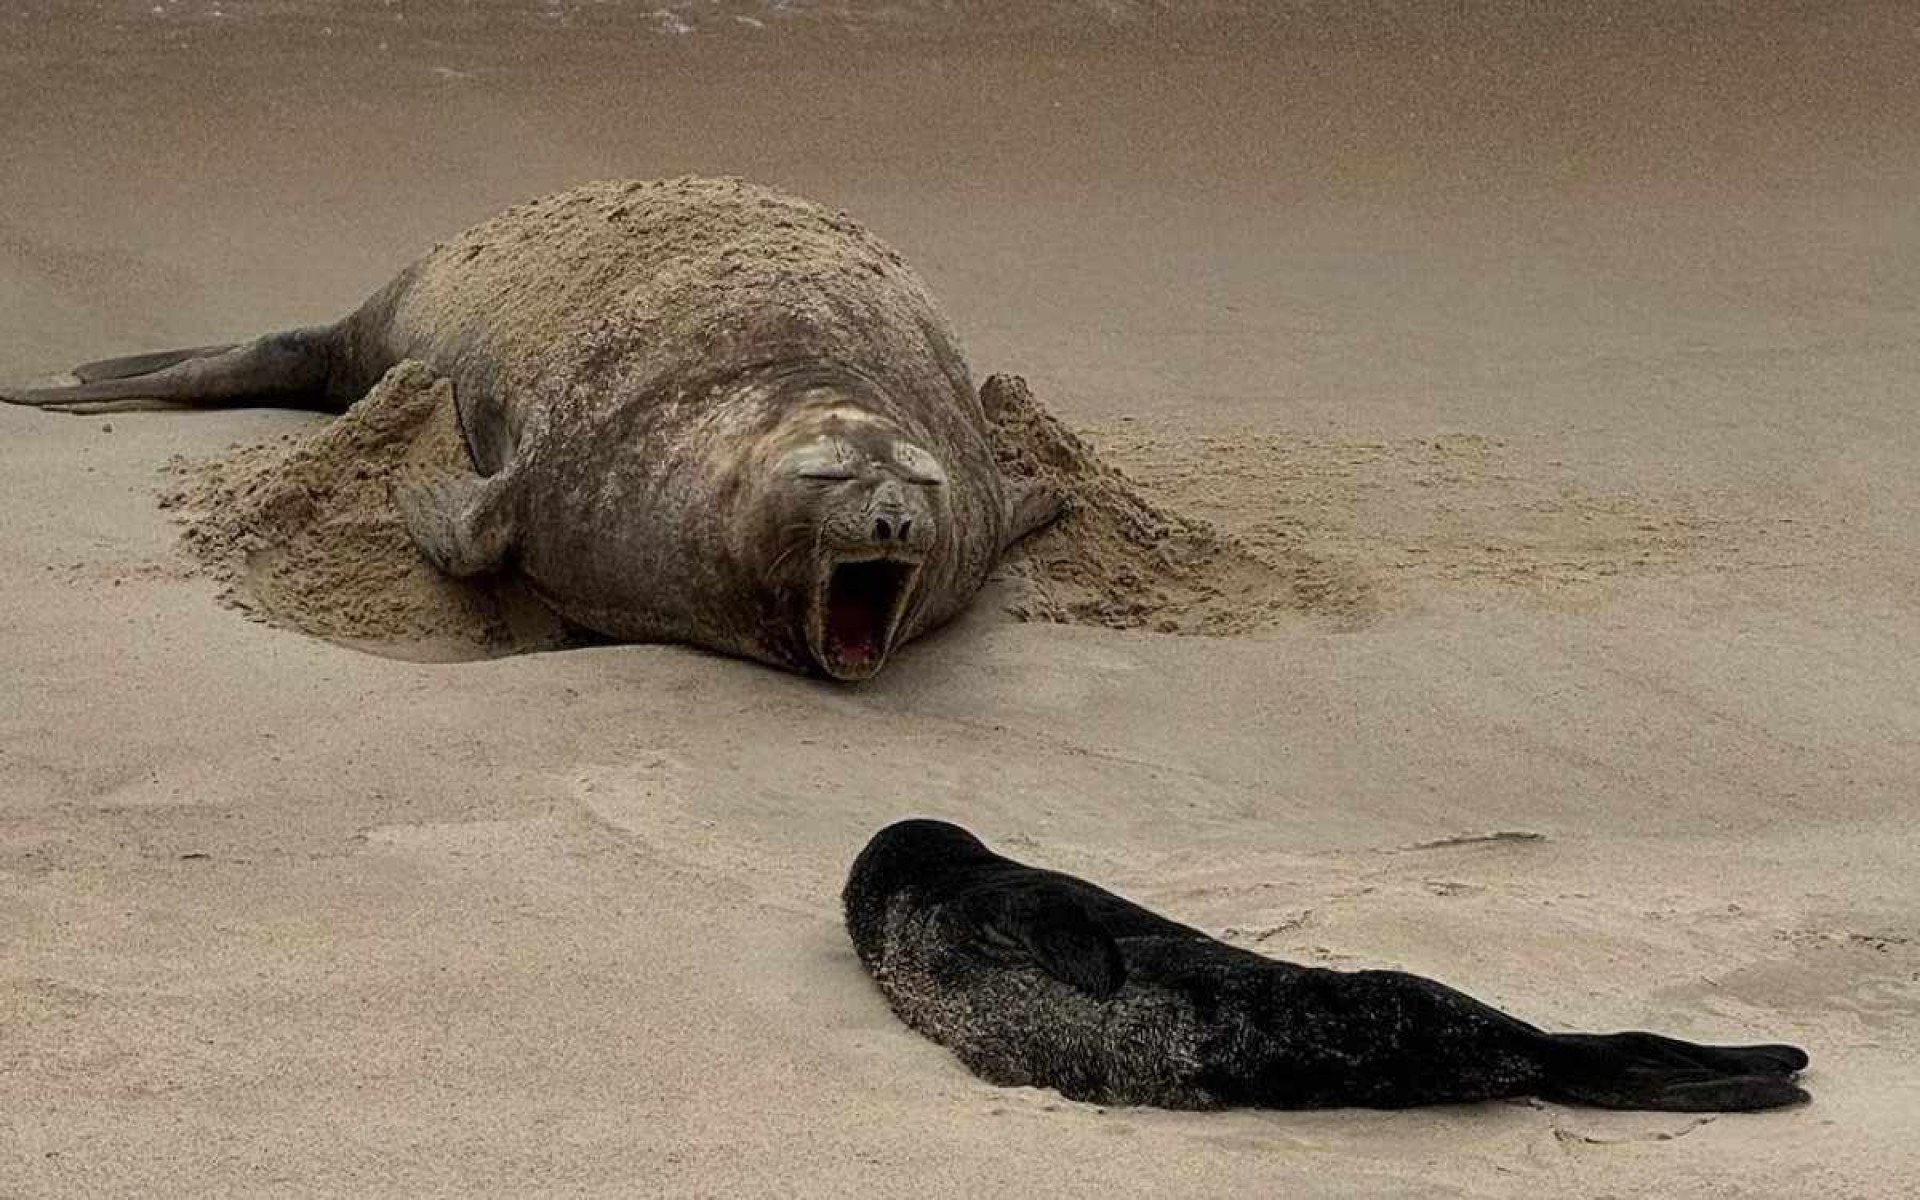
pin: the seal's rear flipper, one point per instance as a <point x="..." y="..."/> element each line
<point x="461" y="523"/>
<point x="1647" y="1071"/>
<point x="290" y="370"/>
<point x="1047" y="925"/>
<point x="143" y="364"/>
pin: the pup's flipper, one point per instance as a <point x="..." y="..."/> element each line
<point x="1647" y="1071"/>
<point x="1047" y="925"/>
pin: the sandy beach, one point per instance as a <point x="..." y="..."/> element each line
<point x="1576" y="343"/>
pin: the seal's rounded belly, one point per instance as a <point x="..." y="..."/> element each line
<point x="697" y="410"/>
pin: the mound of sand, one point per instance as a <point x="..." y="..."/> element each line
<point x="1119" y="560"/>
<point x="304" y="533"/>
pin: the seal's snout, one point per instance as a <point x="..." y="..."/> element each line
<point x="896" y="517"/>
<point x="901" y="531"/>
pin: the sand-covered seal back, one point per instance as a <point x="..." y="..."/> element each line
<point x="608" y="289"/>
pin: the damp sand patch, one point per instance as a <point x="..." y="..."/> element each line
<point x="302" y="533"/>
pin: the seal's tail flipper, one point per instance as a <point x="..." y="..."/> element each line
<point x="144" y="364"/>
<point x="286" y="370"/>
<point x="1647" y="1071"/>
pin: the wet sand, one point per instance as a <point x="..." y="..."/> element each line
<point x="1584" y="340"/>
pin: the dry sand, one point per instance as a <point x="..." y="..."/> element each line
<point x="1560" y="365"/>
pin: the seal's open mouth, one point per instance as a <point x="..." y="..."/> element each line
<point x="857" y="612"/>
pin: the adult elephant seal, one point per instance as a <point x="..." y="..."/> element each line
<point x="697" y="410"/>
<point x="1035" y="978"/>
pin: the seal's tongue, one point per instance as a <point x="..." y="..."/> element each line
<point x="862" y="602"/>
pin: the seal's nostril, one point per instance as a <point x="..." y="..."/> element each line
<point x="880" y="530"/>
<point x="906" y="527"/>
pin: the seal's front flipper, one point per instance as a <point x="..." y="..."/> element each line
<point x="1647" y="1071"/>
<point x="1031" y="507"/>
<point x="462" y="523"/>
<point x="1046" y="925"/>
<point x="290" y="370"/>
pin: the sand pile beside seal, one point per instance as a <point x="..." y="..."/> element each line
<point x="304" y="533"/>
<point x="1121" y="561"/>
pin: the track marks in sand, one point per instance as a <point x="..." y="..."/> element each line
<point x="716" y="824"/>
<point x="1457" y="516"/>
<point x="781" y="819"/>
<point x="1822" y="966"/>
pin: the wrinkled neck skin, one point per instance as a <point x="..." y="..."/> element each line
<point x="715" y="515"/>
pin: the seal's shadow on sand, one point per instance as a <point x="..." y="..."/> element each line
<point x="304" y="534"/>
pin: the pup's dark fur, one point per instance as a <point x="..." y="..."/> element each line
<point x="1037" y="978"/>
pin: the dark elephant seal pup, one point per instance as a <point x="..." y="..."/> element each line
<point x="1034" y="978"/>
<point x="697" y="410"/>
